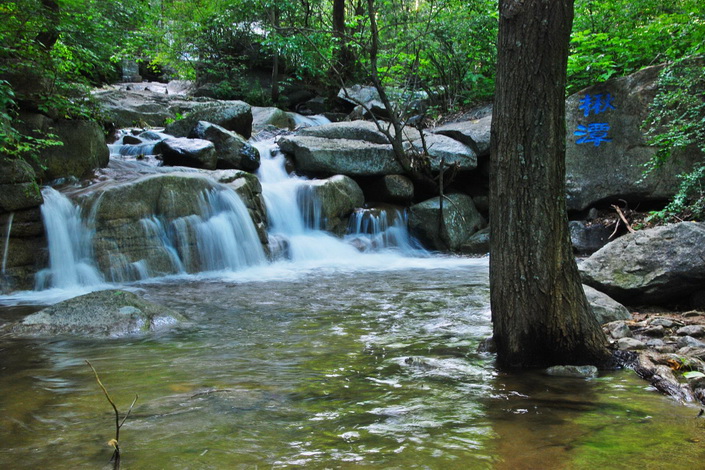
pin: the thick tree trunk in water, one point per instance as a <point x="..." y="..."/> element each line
<point x="540" y="314"/>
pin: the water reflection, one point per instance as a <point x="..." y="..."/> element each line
<point x="365" y="369"/>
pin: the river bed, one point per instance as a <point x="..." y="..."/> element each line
<point x="371" y="365"/>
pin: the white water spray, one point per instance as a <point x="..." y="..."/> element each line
<point x="70" y="245"/>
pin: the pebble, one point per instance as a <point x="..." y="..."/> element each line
<point x="630" y="344"/>
<point x="584" y="372"/>
<point x="691" y="330"/>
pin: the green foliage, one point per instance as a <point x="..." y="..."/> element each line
<point x="677" y="123"/>
<point x="618" y="37"/>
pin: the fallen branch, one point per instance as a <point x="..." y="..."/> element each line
<point x="118" y="424"/>
<point x="623" y="217"/>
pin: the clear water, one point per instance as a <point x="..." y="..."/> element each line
<point x="358" y="365"/>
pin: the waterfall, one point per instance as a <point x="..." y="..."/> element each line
<point x="380" y="228"/>
<point x="6" y="248"/>
<point x="70" y="241"/>
<point x="220" y="236"/>
<point x="227" y="238"/>
<point x="286" y="218"/>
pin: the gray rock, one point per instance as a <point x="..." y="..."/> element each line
<point x="477" y="244"/>
<point x="689" y="342"/>
<point x="653" y="266"/>
<point x="475" y="134"/>
<point x="654" y="331"/>
<point x="111" y="313"/>
<point x="630" y="344"/>
<point x="330" y="202"/>
<point x="232" y="150"/>
<point x="263" y="117"/>
<point x="15" y="170"/>
<point x="19" y="196"/>
<point x="194" y="153"/>
<point x="390" y="188"/>
<point x="622" y="104"/>
<point x="619" y="329"/>
<point x="460" y="220"/>
<point x="351" y="130"/>
<point x="316" y="155"/>
<point x="450" y="150"/>
<point x="128" y="218"/>
<point x="604" y="307"/>
<point x="587" y="239"/>
<point x="583" y="372"/>
<point x="83" y="150"/>
<point x="664" y="322"/>
<point x="234" y="116"/>
<point x="696" y="331"/>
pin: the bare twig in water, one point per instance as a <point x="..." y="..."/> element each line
<point x="115" y="442"/>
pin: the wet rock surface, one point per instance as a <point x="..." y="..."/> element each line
<point x="109" y="313"/>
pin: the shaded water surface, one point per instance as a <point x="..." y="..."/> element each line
<point x="326" y="369"/>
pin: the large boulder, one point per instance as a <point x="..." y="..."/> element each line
<point x="83" y="146"/>
<point x="23" y="240"/>
<point x="111" y="313"/>
<point x="160" y="224"/>
<point x="447" y="149"/>
<point x="263" y="117"/>
<point x="328" y="203"/>
<point x="474" y="133"/>
<point x="460" y="220"/>
<point x="658" y="265"/>
<point x="232" y="150"/>
<point x="606" y="149"/>
<point x="358" y="130"/>
<point x="180" y="151"/>
<point x="322" y="156"/>
<point x="126" y="108"/>
<point x="234" y="116"/>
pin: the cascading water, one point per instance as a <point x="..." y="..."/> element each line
<point x="71" y="262"/>
<point x="221" y="235"/>
<point x="372" y="229"/>
<point x="6" y="248"/>
<point x="286" y="218"/>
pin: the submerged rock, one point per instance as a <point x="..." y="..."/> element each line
<point x="111" y="313"/>
<point x="584" y="372"/>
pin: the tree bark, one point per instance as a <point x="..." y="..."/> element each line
<point x="539" y="311"/>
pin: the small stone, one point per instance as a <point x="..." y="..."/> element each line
<point x="584" y="372"/>
<point x="630" y="344"/>
<point x="691" y="330"/>
<point x="689" y="341"/>
<point x="618" y="329"/>
<point x="692" y="313"/>
<point x="654" y="331"/>
<point x="660" y="321"/>
<point x="655" y="343"/>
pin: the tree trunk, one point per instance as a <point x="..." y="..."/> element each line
<point x="540" y="314"/>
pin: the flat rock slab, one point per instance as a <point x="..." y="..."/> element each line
<point x="108" y="313"/>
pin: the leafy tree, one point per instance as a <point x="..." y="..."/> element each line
<point x="676" y="124"/>
<point x="539" y="311"/>
<point x="618" y="37"/>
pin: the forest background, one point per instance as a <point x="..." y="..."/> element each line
<point x="54" y="51"/>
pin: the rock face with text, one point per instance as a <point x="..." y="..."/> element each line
<point x="606" y="148"/>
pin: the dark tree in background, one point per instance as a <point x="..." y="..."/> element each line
<point x="540" y="314"/>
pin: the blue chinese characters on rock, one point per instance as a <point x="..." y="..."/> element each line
<point x="594" y="132"/>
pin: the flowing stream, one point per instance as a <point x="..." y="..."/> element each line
<point x="332" y="358"/>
